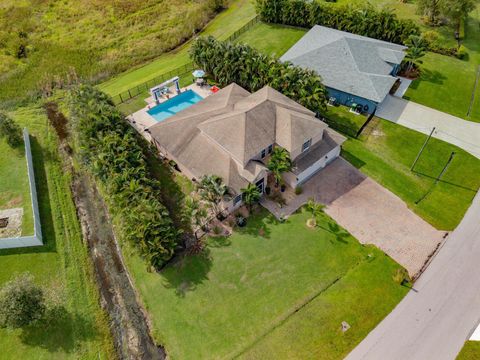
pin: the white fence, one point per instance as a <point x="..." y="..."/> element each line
<point x="36" y="239"/>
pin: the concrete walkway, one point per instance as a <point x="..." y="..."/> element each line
<point x="435" y="319"/>
<point x="459" y="132"/>
<point x="371" y="213"/>
<point x="402" y="89"/>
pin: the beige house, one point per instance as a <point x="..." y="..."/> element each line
<point x="232" y="132"/>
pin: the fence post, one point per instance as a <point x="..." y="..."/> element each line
<point x="129" y="93"/>
<point x="121" y="99"/>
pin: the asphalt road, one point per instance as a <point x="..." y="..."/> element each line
<point x="435" y="319"/>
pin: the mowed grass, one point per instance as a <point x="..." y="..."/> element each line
<point x="271" y="39"/>
<point x="243" y="288"/>
<point x="470" y="351"/>
<point x="14" y="186"/>
<point x="62" y="265"/>
<point x="225" y="24"/>
<point x="386" y="152"/>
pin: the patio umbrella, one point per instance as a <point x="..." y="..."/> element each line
<point x="198" y="73"/>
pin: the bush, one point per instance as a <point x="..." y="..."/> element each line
<point x="363" y="20"/>
<point x="228" y="62"/>
<point x="10" y="131"/>
<point x="109" y="148"/>
<point x="461" y="52"/>
<point x="21" y="302"/>
<point x="298" y="190"/>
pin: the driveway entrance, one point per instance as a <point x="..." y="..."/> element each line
<point x="462" y="133"/>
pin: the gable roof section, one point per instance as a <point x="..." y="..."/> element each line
<point x="347" y="62"/>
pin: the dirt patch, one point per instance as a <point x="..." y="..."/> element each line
<point x="129" y="322"/>
<point x="57" y="120"/>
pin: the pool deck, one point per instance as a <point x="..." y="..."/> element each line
<point x="141" y="120"/>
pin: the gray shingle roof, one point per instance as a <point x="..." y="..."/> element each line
<point x="347" y="62"/>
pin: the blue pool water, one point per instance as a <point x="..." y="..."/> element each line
<point x="174" y="105"/>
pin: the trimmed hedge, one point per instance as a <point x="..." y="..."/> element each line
<point x="108" y="147"/>
<point x="363" y="20"/>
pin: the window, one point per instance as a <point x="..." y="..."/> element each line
<point x="306" y="145"/>
<point x="264" y="152"/>
<point x="237" y="199"/>
<point x="270" y="148"/>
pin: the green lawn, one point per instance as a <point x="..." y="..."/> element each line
<point x="14" y="187"/>
<point x="341" y="119"/>
<point x="62" y="265"/>
<point x="470" y="351"/>
<point x="272" y="39"/>
<point x="249" y="289"/>
<point x="386" y="153"/>
<point x="224" y="25"/>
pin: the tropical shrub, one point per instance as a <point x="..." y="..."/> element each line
<point x="21" y="302"/>
<point x="228" y="62"/>
<point x="213" y="190"/>
<point x="251" y="195"/>
<point x="109" y="148"/>
<point x="279" y="163"/>
<point x="363" y="20"/>
<point x="461" y="52"/>
<point x="10" y="131"/>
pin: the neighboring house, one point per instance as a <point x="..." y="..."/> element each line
<point x="231" y="134"/>
<point x="355" y="69"/>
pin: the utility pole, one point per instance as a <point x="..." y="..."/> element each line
<point x="445" y="167"/>
<point x="438" y="177"/>
<point x="421" y="150"/>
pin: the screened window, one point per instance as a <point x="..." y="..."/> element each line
<point x="270" y="148"/>
<point x="306" y="145"/>
<point x="264" y="152"/>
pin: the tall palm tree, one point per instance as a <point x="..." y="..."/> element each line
<point x="279" y="163"/>
<point x="416" y="50"/>
<point x="212" y="189"/>
<point x="251" y="195"/>
<point x="194" y="213"/>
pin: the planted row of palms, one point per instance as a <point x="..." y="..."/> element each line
<point x="363" y="19"/>
<point x="110" y="150"/>
<point x="228" y="62"/>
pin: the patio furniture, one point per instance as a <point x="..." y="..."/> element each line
<point x="214" y="89"/>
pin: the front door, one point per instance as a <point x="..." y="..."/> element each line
<point x="259" y="184"/>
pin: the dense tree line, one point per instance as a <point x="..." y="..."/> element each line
<point x="363" y="20"/>
<point x="228" y="62"/>
<point x="109" y="148"/>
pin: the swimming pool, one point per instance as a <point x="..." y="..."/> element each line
<point x="174" y="105"/>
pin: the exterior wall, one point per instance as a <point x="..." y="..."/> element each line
<point x="295" y="180"/>
<point x="36" y="239"/>
<point x="315" y="139"/>
<point x="348" y="99"/>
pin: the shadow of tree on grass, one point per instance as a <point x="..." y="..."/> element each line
<point x="59" y="330"/>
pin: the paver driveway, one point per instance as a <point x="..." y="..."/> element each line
<point x="371" y="213"/>
<point x="449" y="128"/>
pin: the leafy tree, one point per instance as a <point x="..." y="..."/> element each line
<point x="432" y="9"/>
<point x="212" y="189"/>
<point x="109" y="148"/>
<point x="228" y="62"/>
<point x="194" y="213"/>
<point x="315" y="209"/>
<point x="362" y="19"/>
<point x="10" y="130"/>
<point x="417" y="47"/>
<point x="455" y="10"/>
<point x="21" y="302"/>
<point x="251" y="195"/>
<point x="279" y="163"/>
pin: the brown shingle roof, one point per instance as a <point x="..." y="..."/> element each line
<point x="222" y="133"/>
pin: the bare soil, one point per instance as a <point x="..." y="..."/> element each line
<point x="129" y="323"/>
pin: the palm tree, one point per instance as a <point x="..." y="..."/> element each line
<point x="416" y="50"/>
<point x="212" y="189"/>
<point x="279" y="163"/>
<point x="193" y="213"/>
<point x="315" y="209"/>
<point x="251" y="195"/>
